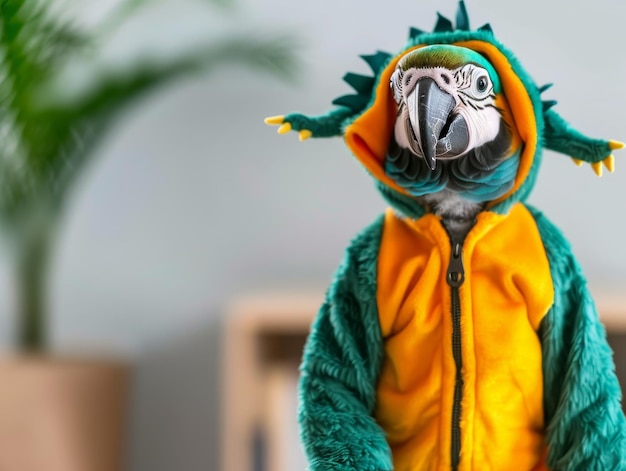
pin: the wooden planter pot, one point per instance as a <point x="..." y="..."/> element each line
<point x="61" y="414"/>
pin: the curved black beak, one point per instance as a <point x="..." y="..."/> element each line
<point x="439" y="132"/>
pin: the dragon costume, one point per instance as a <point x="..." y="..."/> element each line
<point x="458" y="333"/>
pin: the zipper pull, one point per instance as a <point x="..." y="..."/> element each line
<point x="456" y="271"/>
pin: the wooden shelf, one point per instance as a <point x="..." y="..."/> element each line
<point x="612" y="308"/>
<point x="263" y="339"/>
<point x="262" y="346"/>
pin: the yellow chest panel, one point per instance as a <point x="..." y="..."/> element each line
<point x="506" y="293"/>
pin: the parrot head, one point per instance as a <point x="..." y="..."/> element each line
<point x="452" y="129"/>
<point x="452" y="124"/>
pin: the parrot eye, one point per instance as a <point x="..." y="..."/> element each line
<point x="481" y="85"/>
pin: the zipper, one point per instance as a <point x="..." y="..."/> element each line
<point x="455" y="277"/>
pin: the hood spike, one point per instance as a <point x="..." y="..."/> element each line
<point x="462" y="18"/>
<point x="545" y="87"/>
<point x="486" y="27"/>
<point x="355" y="102"/>
<point x="546" y="105"/>
<point x="443" y="25"/>
<point x="376" y="61"/>
<point x="415" y="32"/>
<point x="361" y="83"/>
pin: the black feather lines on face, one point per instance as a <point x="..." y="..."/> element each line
<point x="464" y="174"/>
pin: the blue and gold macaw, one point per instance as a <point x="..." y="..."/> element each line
<point x="458" y="333"/>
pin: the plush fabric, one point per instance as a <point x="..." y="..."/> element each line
<point x="561" y="137"/>
<point x="341" y="364"/>
<point x="586" y="430"/>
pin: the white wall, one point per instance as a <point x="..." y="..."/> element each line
<point x="193" y="200"/>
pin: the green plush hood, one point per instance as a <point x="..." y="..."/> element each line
<point x="366" y="118"/>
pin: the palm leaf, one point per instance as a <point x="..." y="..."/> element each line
<point x="32" y="42"/>
<point x="47" y="140"/>
<point x="63" y="135"/>
<point x="272" y="55"/>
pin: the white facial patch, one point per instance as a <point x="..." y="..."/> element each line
<point x="483" y="127"/>
<point x="472" y="90"/>
<point x="476" y="103"/>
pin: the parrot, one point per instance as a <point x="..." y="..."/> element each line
<point x="458" y="332"/>
<point x="451" y="110"/>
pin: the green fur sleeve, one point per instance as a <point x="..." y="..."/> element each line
<point x="339" y="373"/>
<point x="586" y="429"/>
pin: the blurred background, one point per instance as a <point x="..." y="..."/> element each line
<point x="192" y="203"/>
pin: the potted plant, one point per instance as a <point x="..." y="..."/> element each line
<point x="61" y="413"/>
